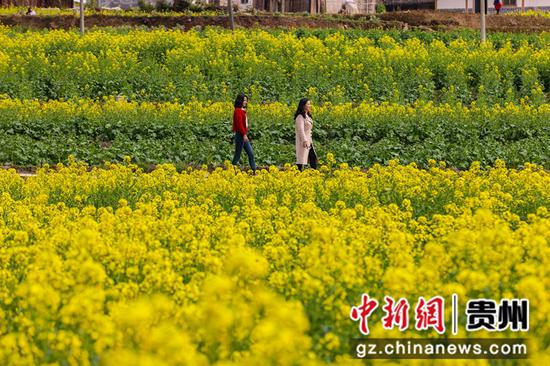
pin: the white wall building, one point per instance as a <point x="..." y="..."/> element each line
<point x="507" y="5"/>
<point x="126" y="4"/>
<point x="332" y="6"/>
<point x="242" y="4"/>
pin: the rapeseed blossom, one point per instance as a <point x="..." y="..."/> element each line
<point x="114" y="266"/>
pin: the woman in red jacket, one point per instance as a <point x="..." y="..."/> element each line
<point x="240" y="127"/>
<point x="498" y="5"/>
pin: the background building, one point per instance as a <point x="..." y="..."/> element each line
<point x="462" y="5"/>
<point x="39" y="3"/>
<point x="303" y="6"/>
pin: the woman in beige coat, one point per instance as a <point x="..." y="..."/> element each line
<point x="304" y="143"/>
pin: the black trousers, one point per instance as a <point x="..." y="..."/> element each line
<point x="311" y="159"/>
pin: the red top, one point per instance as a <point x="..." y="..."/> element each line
<point x="239" y="121"/>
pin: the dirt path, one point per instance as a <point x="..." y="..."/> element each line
<point x="400" y="20"/>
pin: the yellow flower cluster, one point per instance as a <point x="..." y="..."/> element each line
<point x="204" y="112"/>
<point x="169" y="65"/>
<point x="116" y="266"/>
<point x="530" y="13"/>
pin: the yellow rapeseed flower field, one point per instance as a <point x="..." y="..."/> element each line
<point x="115" y="266"/>
<point x="215" y="65"/>
<point x="530" y="13"/>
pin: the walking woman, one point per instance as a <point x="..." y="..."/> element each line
<point x="498" y="5"/>
<point x="304" y="143"/>
<point x="240" y="127"/>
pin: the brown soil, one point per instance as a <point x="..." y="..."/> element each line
<point x="428" y="20"/>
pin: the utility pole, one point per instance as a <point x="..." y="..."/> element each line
<point x="81" y="2"/>
<point x="230" y="9"/>
<point x="482" y="11"/>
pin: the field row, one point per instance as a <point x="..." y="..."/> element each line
<point x="34" y="133"/>
<point x="114" y="265"/>
<point x="530" y="13"/>
<point x="215" y="65"/>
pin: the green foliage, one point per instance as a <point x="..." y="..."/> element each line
<point x="380" y="8"/>
<point x="194" y="134"/>
<point x="505" y="83"/>
<point x="145" y="6"/>
<point x="162" y="5"/>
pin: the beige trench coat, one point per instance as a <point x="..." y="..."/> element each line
<point x="303" y="133"/>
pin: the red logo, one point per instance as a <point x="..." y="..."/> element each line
<point x="363" y="311"/>
<point x="396" y="313"/>
<point x="430" y="314"/>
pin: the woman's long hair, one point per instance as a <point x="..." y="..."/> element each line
<point x="239" y="101"/>
<point x="302" y="108"/>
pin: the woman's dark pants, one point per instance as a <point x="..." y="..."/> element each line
<point x="239" y="144"/>
<point x="311" y="159"/>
